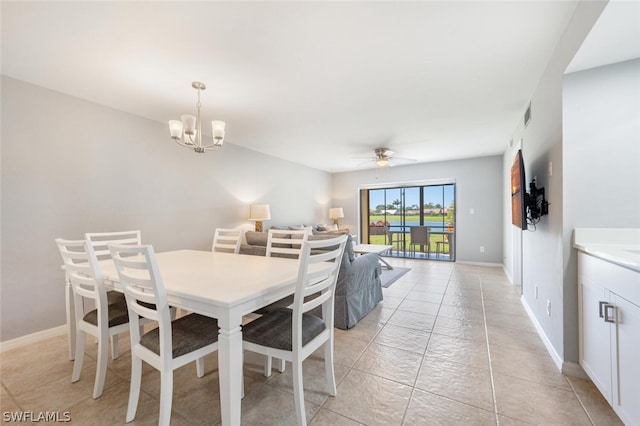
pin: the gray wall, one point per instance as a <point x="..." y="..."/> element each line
<point x="70" y="166"/>
<point x="601" y="151"/>
<point x="478" y="186"/>
<point x="543" y="264"/>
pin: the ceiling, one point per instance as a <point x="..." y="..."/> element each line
<point x="316" y="83"/>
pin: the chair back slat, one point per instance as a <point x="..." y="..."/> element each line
<point x="100" y="241"/>
<point x="143" y="287"/>
<point x="227" y="240"/>
<point x="81" y="267"/>
<point x="286" y="242"/>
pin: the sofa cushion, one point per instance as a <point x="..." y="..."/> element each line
<point x="256" y="238"/>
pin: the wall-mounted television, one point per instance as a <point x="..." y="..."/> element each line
<point x="526" y="209"/>
<point x="518" y="192"/>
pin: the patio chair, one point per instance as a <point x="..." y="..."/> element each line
<point x="420" y="236"/>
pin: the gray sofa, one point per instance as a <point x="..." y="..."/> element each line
<point x="358" y="289"/>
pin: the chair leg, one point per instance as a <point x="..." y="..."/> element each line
<point x="200" y="366"/>
<point x="101" y="364"/>
<point x="166" y="394"/>
<point x="134" y="389"/>
<point x="114" y="346"/>
<point x="79" y="356"/>
<point x="328" y="367"/>
<point x="282" y="365"/>
<point x="298" y="391"/>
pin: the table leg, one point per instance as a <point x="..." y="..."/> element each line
<point x="230" y="371"/>
<point x="385" y="262"/>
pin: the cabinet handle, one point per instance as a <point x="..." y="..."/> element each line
<point x="608" y="318"/>
<point x="600" y="308"/>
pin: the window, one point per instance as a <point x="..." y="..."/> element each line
<point x="389" y="213"/>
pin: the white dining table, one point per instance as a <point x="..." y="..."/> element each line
<point x="224" y="286"/>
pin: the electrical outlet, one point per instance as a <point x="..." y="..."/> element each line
<point x="548" y="308"/>
<point x="481" y="249"/>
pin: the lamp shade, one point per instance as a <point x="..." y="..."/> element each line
<point x="336" y="213"/>
<point x="259" y="212"/>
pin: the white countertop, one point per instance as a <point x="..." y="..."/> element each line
<point x="617" y="245"/>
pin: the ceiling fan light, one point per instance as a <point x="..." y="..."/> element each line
<point x="382" y="162"/>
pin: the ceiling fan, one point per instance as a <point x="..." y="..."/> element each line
<point x="383" y="158"/>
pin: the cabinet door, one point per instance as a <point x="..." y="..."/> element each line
<point x="626" y="386"/>
<point x="595" y="349"/>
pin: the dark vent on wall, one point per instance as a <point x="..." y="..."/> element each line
<point x="527" y="115"/>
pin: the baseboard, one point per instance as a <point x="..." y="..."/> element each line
<point x="574" y="370"/>
<point x="32" y="338"/>
<point x="466" y="262"/>
<point x="508" y="275"/>
<point x="555" y="356"/>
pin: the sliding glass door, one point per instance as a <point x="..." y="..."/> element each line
<point x="389" y="214"/>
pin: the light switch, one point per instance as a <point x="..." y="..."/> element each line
<point x="472" y="211"/>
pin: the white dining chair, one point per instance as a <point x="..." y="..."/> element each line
<point x="227" y="240"/>
<point x="107" y="319"/>
<point x="286" y="242"/>
<point x="282" y="243"/>
<point x="100" y="241"/>
<point x="173" y="343"/>
<point x="292" y="334"/>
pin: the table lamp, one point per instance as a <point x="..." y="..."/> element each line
<point x="259" y="212"/>
<point x="335" y="214"/>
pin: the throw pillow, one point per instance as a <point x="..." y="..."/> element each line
<point x="256" y="238"/>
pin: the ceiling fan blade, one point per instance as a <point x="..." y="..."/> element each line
<point x="370" y="160"/>
<point x="405" y="159"/>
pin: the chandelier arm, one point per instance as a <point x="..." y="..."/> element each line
<point x="179" y="142"/>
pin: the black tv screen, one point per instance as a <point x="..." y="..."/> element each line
<point x="518" y="192"/>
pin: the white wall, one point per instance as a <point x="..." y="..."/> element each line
<point x="543" y="264"/>
<point x="70" y="166"/>
<point x="478" y="186"/>
<point x="601" y="151"/>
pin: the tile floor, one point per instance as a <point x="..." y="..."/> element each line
<point x="450" y="344"/>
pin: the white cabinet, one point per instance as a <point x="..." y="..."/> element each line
<point x="609" y="310"/>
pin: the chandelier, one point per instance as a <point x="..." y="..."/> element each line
<point x="187" y="131"/>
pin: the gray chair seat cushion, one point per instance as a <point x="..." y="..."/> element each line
<point x="116" y="313"/>
<point x="274" y="329"/>
<point x="188" y="333"/>
<point x="115" y="297"/>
